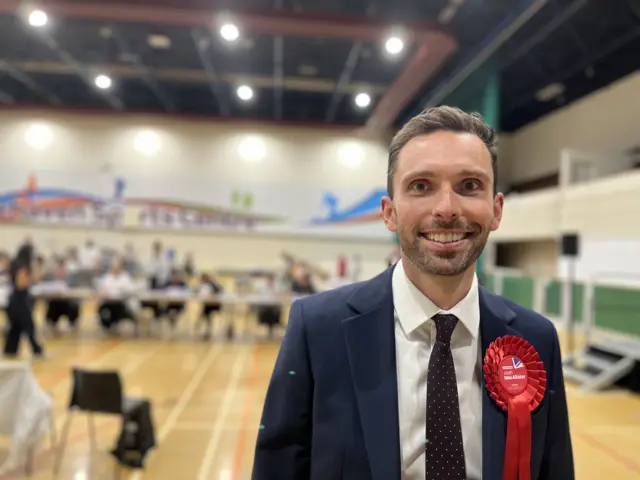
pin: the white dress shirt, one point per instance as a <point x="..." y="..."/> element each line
<point x="415" y="334"/>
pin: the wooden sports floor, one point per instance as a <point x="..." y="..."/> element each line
<point x="207" y="399"/>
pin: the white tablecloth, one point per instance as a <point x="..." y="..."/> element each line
<point x="25" y="411"/>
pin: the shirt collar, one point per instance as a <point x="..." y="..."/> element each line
<point x="414" y="309"/>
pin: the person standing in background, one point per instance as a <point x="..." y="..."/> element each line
<point x="20" y="305"/>
<point x="189" y="266"/>
<point x="90" y="256"/>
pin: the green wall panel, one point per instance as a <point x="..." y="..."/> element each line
<point x="489" y="282"/>
<point x="617" y="309"/>
<point x="519" y="290"/>
<point x="553" y="300"/>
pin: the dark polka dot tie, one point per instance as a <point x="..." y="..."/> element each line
<point x="444" y="450"/>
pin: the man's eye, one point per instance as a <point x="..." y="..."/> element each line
<point x="419" y="186"/>
<point x="471" y="185"/>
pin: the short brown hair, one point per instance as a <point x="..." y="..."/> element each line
<point x="443" y="119"/>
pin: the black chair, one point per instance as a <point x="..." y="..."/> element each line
<point x="101" y="392"/>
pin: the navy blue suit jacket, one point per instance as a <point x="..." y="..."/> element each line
<point x="331" y="410"/>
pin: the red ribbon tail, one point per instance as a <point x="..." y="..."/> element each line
<point x="517" y="459"/>
<point x="524" y="433"/>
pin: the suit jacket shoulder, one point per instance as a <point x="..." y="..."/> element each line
<point x="334" y="306"/>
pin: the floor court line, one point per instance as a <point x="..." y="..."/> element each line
<point x="217" y="430"/>
<point x="188" y="392"/>
<point x="92" y="357"/>
<point x="611" y="452"/>
<point x="248" y="400"/>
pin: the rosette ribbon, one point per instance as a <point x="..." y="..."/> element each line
<point x="516" y="380"/>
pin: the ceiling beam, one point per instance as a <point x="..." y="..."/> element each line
<point x="187" y="75"/>
<point x="145" y="72"/>
<point x="79" y="69"/>
<point x="21" y="77"/>
<point x="426" y="61"/>
<point x="345" y="79"/>
<point x="270" y="22"/>
<point x="202" y="44"/>
<point x="525" y="96"/>
<point x="5" y="98"/>
<point x="544" y="33"/>
<point x="432" y="41"/>
<point x="526" y="10"/>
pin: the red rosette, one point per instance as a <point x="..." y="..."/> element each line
<point x="516" y="380"/>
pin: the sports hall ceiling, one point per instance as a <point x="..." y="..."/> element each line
<point x="306" y="61"/>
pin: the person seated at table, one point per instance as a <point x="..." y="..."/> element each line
<point x="270" y="314"/>
<point x="116" y="289"/>
<point x="209" y="287"/>
<point x="302" y="284"/>
<point x="61" y="307"/>
<point x="20" y="305"/>
<point x="174" y="307"/>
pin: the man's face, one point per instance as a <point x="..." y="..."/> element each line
<point x="443" y="207"/>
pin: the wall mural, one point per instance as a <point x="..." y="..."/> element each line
<point x="110" y="201"/>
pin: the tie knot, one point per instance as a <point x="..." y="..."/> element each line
<point x="445" y="324"/>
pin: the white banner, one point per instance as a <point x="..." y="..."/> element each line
<point x="98" y="198"/>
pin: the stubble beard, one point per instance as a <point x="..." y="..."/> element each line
<point x="442" y="263"/>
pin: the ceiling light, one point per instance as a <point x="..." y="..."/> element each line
<point x="351" y="155"/>
<point x="159" y="41"/>
<point x="394" y="45"/>
<point x="38" y="18"/>
<point x="550" y="92"/>
<point x="106" y="32"/>
<point x="245" y="92"/>
<point x="363" y="100"/>
<point x="229" y="32"/>
<point x="307" y="70"/>
<point x="103" y="82"/>
<point x="39" y="136"/>
<point x="252" y="149"/>
<point x="147" y="142"/>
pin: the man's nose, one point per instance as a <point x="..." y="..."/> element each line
<point x="447" y="206"/>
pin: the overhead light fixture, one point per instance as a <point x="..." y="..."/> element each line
<point x="252" y="149"/>
<point x="39" y="136"/>
<point x="229" y="32"/>
<point x="147" y="142"/>
<point x="245" y="92"/>
<point x="38" y="19"/>
<point x="103" y="82"/>
<point x="158" y="41"/>
<point x="394" y="45"/>
<point x="550" y="92"/>
<point x="363" y="100"/>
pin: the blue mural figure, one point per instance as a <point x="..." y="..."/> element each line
<point x="119" y="186"/>
<point x="364" y="207"/>
<point x="331" y="202"/>
<point x="113" y="209"/>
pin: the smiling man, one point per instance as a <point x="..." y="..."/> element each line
<point x="383" y="379"/>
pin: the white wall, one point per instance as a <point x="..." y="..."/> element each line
<point x="606" y="121"/>
<point x="236" y="151"/>
<point x="534" y="258"/>
<point x="530" y="216"/>
<point x="601" y="208"/>
<point x="244" y="153"/>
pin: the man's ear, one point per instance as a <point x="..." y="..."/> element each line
<point x="498" y="205"/>
<point x="388" y="214"/>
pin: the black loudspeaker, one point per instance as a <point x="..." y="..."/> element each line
<point x="570" y="245"/>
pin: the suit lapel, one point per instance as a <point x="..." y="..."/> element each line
<point x="495" y="317"/>
<point x="371" y="349"/>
